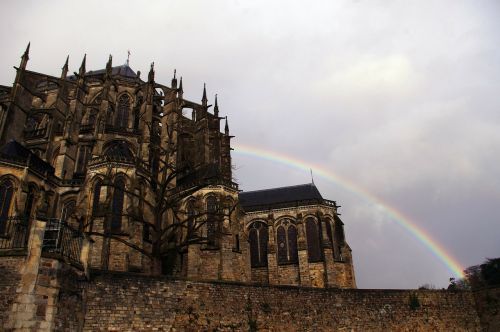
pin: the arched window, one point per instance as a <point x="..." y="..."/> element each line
<point x="30" y="199"/>
<point x="117" y="208"/>
<point x="338" y="240"/>
<point x="212" y="221"/>
<point x="96" y="195"/>
<point x="286" y="236"/>
<point x="84" y="154"/>
<point x="258" y="238"/>
<point x="293" y="254"/>
<point x="191" y="216"/>
<point x="118" y="150"/>
<point x="121" y="120"/>
<point x="6" y="192"/>
<point x="313" y="240"/>
<point x="329" y="232"/>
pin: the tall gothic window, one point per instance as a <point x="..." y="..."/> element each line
<point x="191" y="215"/>
<point x="338" y="240"/>
<point x="84" y="154"/>
<point x="117" y="209"/>
<point x="329" y="231"/>
<point x="121" y="120"/>
<point x="258" y="237"/>
<point x="30" y="199"/>
<point x="6" y="192"/>
<point x="313" y="240"/>
<point x="211" y="220"/>
<point x="96" y="195"/>
<point x="286" y="236"/>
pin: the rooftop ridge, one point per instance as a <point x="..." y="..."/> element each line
<point x="285" y="187"/>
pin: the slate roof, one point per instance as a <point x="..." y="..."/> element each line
<point x="123" y="70"/>
<point x="14" y="151"/>
<point x="280" y="197"/>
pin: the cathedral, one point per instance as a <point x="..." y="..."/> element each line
<point x="127" y="175"/>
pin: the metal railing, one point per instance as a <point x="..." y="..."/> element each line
<point x="62" y="239"/>
<point x="35" y="133"/>
<point x="14" y="233"/>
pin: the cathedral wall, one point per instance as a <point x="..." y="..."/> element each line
<point x="127" y="302"/>
<point x="260" y="275"/>
<point x="325" y="272"/>
<point x="9" y="280"/>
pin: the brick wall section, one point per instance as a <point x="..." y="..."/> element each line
<point x="488" y="308"/>
<point x="70" y="302"/>
<point x="9" y="279"/>
<point x="127" y="302"/>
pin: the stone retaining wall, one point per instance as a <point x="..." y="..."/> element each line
<point x="134" y="303"/>
<point x="9" y="280"/>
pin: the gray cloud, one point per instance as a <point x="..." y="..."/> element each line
<point x="399" y="98"/>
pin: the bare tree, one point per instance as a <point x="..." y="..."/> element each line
<point x="156" y="200"/>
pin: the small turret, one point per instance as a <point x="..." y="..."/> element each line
<point x="109" y="66"/>
<point x="204" y="100"/>
<point x="226" y="128"/>
<point x="151" y="75"/>
<point x="174" y="80"/>
<point x="64" y="69"/>
<point x="181" y="90"/>
<point x="25" y="57"/>
<point x="216" y="107"/>
<point x="82" y="70"/>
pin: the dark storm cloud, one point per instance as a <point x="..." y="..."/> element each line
<point x="400" y="98"/>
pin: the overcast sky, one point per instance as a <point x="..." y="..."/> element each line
<point x="401" y="98"/>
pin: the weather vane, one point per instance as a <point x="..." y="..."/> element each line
<point x="128" y="57"/>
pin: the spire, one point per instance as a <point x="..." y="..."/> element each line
<point x="81" y="72"/>
<point x="25" y="57"/>
<point x="151" y="75"/>
<point x="226" y="128"/>
<point x="109" y="66"/>
<point x="174" y="80"/>
<point x="204" y="100"/>
<point x="64" y="69"/>
<point x="181" y="90"/>
<point x="216" y="107"/>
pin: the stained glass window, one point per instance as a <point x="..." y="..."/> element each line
<point x="118" y="198"/>
<point x="96" y="197"/>
<point x="293" y="254"/>
<point x="258" y="237"/>
<point x="211" y="221"/>
<point x="6" y="192"/>
<point x="313" y="240"/>
<point x="121" y="120"/>
<point x="282" y="245"/>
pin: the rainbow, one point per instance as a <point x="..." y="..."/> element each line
<point x="420" y="234"/>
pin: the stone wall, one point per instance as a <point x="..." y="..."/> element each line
<point x="488" y="308"/>
<point x="128" y="302"/>
<point x="9" y="279"/>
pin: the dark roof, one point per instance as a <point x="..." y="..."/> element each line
<point x="280" y="197"/>
<point x="14" y="151"/>
<point x="123" y="70"/>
